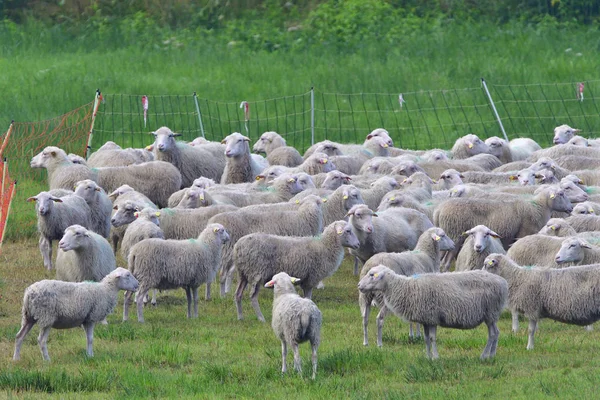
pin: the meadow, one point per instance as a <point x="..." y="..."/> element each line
<point x="45" y="74"/>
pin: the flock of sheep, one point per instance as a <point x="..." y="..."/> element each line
<point x="184" y="214"/>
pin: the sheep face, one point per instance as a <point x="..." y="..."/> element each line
<point x="574" y="192"/>
<point x="475" y="145"/>
<point x="87" y="189"/>
<point x="119" y="191"/>
<point x="385" y="182"/>
<point x="564" y="133"/>
<point x="374" y="279"/>
<point x="407" y="168"/>
<point x="149" y="214"/>
<point x="321" y="162"/>
<point x="288" y="183"/>
<point x="383" y="134"/>
<point x="525" y="177"/>
<point x="304" y="180"/>
<point x="75" y="237"/>
<point x="329" y="148"/>
<point x="451" y="178"/>
<point x="378" y="146"/>
<point x="236" y="145"/>
<point x="193" y="198"/>
<point x="571" y="250"/>
<point x="125" y="280"/>
<point x="578" y="141"/>
<point x="361" y="218"/>
<point x="50" y="153"/>
<point x="559" y="201"/>
<point x="496" y="145"/>
<point x="347" y="236"/>
<point x="546" y="177"/>
<point x="335" y="179"/>
<point x="203" y="183"/>
<point x="164" y="139"/>
<point x="220" y="233"/>
<point x="435" y="155"/>
<point x="553" y="227"/>
<point x="125" y="214"/>
<point x="443" y="241"/>
<point x="482" y="236"/>
<point x="582" y="209"/>
<point x="44" y="202"/>
<point x="350" y="197"/>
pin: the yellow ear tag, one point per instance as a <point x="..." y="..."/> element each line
<point x="385" y="146"/>
<point x="258" y="178"/>
<point x="323" y="161"/>
<point x="345" y="197"/>
<point x="216" y="230"/>
<point x="404" y="181"/>
<point x="291" y="180"/>
<point x="454" y="190"/>
<point x="553" y="227"/>
<point x="340" y="231"/>
<point x="552" y="196"/>
<point x="297" y="201"/>
<point x="490" y="262"/>
<point x="470" y="145"/>
<point x="437" y="238"/>
<point x="375" y="275"/>
<point x="324" y="200"/>
<point x="392" y="198"/>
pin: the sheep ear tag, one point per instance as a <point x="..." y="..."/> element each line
<point x="553" y="227"/>
<point x="216" y="230"/>
<point x="470" y="145"/>
<point x="552" y="196"/>
<point x="436" y="237"/>
<point x="201" y="197"/>
<point x="295" y="280"/>
<point x="340" y="231"/>
<point x="157" y="214"/>
<point x="491" y="262"/>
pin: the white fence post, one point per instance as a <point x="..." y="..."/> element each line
<point x="312" y="115"/>
<point x="494" y="108"/>
<point x="199" y="115"/>
<point x="88" y="149"/>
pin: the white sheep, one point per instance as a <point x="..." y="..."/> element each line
<point x="564" y="133"/>
<point x="295" y="320"/>
<point x="481" y="242"/>
<point x="240" y="166"/>
<point x="277" y="151"/>
<point x="99" y="203"/>
<point x="62" y="305"/>
<point x="461" y="300"/>
<point x="468" y="146"/>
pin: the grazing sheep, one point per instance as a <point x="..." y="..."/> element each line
<point x="54" y="215"/>
<point x="99" y="204"/>
<point x="240" y="167"/>
<point x="468" y="146"/>
<point x="62" y="173"/>
<point x="499" y="148"/>
<point x="566" y="295"/>
<point x="460" y="300"/>
<point x="424" y="258"/>
<point x="259" y="256"/>
<point x="522" y="148"/>
<point x="83" y="255"/>
<point x="481" y="242"/>
<point x="295" y="320"/>
<point x="564" y="133"/>
<point x="50" y="304"/>
<point x="276" y="150"/>
<point x="151" y="261"/>
<point x="192" y="161"/>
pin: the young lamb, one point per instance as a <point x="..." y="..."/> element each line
<point x="460" y="300"/>
<point x="54" y="215"/>
<point x="424" y="258"/>
<point x="50" y="304"/>
<point x="566" y="295"/>
<point x="276" y="150"/>
<point x="151" y="262"/>
<point x="481" y="242"/>
<point x="468" y="146"/>
<point x="83" y="255"/>
<point x="99" y="203"/>
<point x="295" y="320"/>
<point x="259" y="256"/>
<point x="192" y="161"/>
<point x="240" y="167"/>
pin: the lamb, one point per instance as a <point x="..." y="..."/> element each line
<point x="424" y="258"/>
<point x="522" y="148"/>
<point x="277" y="151"/>
<point x="577" y="251"/>
<point x="460" y="300"/>
<point x="49" y="303"/>
<point x="151" y="261"/>
<point x="468" y="146"/>
<point x="99" y="204"/>
<point x="499" y="148"/>
<point x="295" y="320"/>
<point x="259" y="256"/>
<point x="192" y="161"/>
<point x="394" y="230"/>
<point x="567" y="295"/>
<point x="481" y="242"/>
<point x="54" y="215"/>
<point x="240" y="167"/>
<point x="83" y="255"/>
<point x="564" y="133"/>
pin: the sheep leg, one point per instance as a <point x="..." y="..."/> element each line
<point x="229" y="278"/>
<point x="20" y="337"/>
<point x="89" y="334"/>
<point x="356" y="261"/>
<point x="140" y="303"/>
<point x="46" y="250"/>
<point x="188" y="295"/>
<point x="238" y="296"/>
<point x="315" y="347"/>
<point x="495" y="343"/>
<point x="490" y="347"/>
<point x="254" y="301"/>
<point x="532" y="329"/>
<point x="365" y="315"/>
<point x="297" y="360"/>
<point x="283" y="357"/>
<point x="115" y="243"/>
<point x="418" y="330"/>
<point x="427" y="341"/>
<point x="43" y="341"/>
<point x="307" y="293"/>
<point x="153" y="301"/>
<point x="195" y="298"/>
<point x="515" y="321"/>
<point x="207" y="292"/>
<point x="126" y="304"/>
<point x="433" y="341"/>
<point x="380" y="318"/>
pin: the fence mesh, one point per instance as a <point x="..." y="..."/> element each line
<point x="69" y="132"/>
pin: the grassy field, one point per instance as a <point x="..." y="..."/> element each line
<point x="216" y="356"/>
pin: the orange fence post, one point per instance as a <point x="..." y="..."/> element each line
<point x="4" y="220"/>
<point x="6" y="137"/>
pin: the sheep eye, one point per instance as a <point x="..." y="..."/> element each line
<point x="171" y="135"/>
<point x="571" y="246"/>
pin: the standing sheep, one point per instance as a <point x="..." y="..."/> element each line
<point x="460" y="300"/>
<point x="481" y="242"/>
<point x="62" y="173"/>
<point x="151" y="261"/>
<point x="99" y="203"/>
<point x="83" y="256"/>
<point x="145" y="226"/>
<point x="51" y="303"/>
<point x="240" y="167"/>
<point x="276" y="150"/>
<point x="577" y="251"/>
<point x="192" y="161"/>
<point x="259" y="256"/>
<point x="566" y="295"/>
<point x="54" y="215"/>
<point x="295" y="320"/>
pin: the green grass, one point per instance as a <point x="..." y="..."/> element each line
<point x="216" y="356"/>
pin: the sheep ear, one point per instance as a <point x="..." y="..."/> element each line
<point x="576" y="130"/>
<point x="585" y="245"/>
<point x="246" y="139"/>
<point x="31" y="199"/>
<point x="270" y="284"/>
<point x="176" y="134"/>
<point x="552" y="195"/>
<point x="384" y="145"/>
<point x="375" y="215"/>
<point x="513" y="178"/>
<point x="87" y="234"/>
<point x="295" y="280"/>
<point x="259" y="177"/>
<point x="136" y="214"/>
<point x="467" y="233"/>
<point x="461" y="175"/>
<point x="53" y="153"/>
<point x="98" y="189"/>
<point x="56" y="199"/>
<point x="323" y="161"/>
<point x="369" y="136"/>
<point x="347" y="178"/>
<point x="349" y="213"/>
<point x="494" y="234"/>
<point x="149" y="147"/>
<point x="469" y="144"/>
<point x="115" y="207"/>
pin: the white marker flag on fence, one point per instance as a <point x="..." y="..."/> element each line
<point x="401" y="100"/>
<point x="145" y="108"/>
<point x="580" y="91"/>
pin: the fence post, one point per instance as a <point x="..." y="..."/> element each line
<point x="5" y="141"/>
<point x="12" y="196"/>
<point x="199" y="115"/>
<point x="312" y="115"/>
<point x="494" y="108"/>
<point x="2" y="184"/>
<point x="88" y="148"/>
